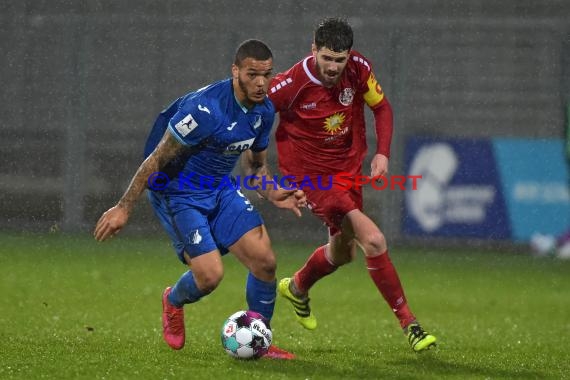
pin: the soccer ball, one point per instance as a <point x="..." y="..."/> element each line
<point x="246" y="335"/>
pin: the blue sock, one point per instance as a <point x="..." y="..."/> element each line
<point x="260" y="296"/>
<point x="185" y="291"/>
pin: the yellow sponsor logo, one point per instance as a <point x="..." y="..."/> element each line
<point x="334" y="123"/>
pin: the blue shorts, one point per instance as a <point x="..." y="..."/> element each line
<point x="204" y="220"/>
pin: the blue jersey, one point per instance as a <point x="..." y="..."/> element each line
<point x="216" y="129"/>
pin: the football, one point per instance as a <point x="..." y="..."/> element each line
<point x="246" y="335"/>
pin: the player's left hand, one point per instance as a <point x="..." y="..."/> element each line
<point x="292" y="199"/>
<point x="379" y="165"/>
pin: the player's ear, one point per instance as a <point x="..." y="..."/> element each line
<point x="314" y="50"/>
<point x="235" y="71"/>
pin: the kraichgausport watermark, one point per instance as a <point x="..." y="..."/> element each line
<point x="159" y="181"/>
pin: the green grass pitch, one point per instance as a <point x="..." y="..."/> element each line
<point x="72" y="308"/>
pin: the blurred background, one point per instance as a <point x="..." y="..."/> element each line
<point x="480" y="90"/>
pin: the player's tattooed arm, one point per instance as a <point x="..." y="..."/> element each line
<point x="115" y="218"/>
<point x="255" y="166"/>
<point x="167" y="149"/>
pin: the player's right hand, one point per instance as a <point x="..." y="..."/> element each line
<point x="110" y="223"/>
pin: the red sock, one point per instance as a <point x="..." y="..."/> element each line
<point x="388" y="283"/>
<point x="316" y="267"/>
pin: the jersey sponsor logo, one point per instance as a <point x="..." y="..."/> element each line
<point x="186" y="125"/>
<point x="346" y="96"/>
<point x="334" y="122"/>
<point x="232" y="126"/>
<point x="281" y="84"/>
<point x="341" y="133"/>
<point x="240" y="146"/>
<point x="308" y="106"/>
<point x="203" y="108"/>
<point x="257" y="123"/>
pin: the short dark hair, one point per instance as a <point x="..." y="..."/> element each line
<point x="252" y="49"/>
<point x="334" y="33"/>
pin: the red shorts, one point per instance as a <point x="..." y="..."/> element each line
<point x="333" y="204"/>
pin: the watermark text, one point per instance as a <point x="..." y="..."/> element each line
<point x="159" y="181"/>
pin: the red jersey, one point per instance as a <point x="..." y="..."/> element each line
<point x="322" y="130"/>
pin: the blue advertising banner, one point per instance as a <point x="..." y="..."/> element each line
<point x="483" y="188"/>
<point x="535" y="181"/>
<point x="459" y="193"/>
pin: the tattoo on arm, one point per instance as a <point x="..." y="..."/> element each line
<point x="255" y="164"/>
<point x="167" y="149"/>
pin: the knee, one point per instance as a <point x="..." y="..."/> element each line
<point x="340" y="257"/>
<point x="374" y="243"/>
<point x="209" y="280"/>
<point x="264" y="267"/>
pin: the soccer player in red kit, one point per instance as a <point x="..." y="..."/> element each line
<point x="322" y="134"/>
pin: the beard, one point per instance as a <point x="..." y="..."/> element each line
<point x="248" y="99"/>
<point x="327" y="81"/>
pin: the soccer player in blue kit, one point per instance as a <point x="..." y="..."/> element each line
<point x="202" y="135"/>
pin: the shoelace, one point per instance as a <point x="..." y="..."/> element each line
<point x="415" y="334"/>
<point x="175" y="321"/>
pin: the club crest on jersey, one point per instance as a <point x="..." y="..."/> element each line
<point x="257" y="122"/>
<point x="346" y="96"/>
<point x="195" y="237"/>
